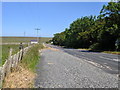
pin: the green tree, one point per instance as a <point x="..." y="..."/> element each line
<point x="111" y="30"/>
<point x="89" y="31"/>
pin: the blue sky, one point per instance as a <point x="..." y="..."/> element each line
<point x="50" y="17"/>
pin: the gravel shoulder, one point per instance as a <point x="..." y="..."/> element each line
<point x="57" y="69"/>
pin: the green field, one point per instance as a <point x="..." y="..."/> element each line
<point x="23" y="39"/>
<point x="4" y="51"/>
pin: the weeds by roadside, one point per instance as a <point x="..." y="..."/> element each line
<point x="19" y="78"/>
<point x="112" y="52"/>
<point x="32" y="57"/>
<point x="23" y="76"/>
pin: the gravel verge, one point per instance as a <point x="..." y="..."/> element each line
<point x="57" y="69"/>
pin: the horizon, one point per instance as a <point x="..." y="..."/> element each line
<point x="25" y="36"/>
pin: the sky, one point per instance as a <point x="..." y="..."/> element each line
<point x="50" y="17"/>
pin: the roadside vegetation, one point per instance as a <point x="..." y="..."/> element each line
<point x="6" y="50"/>
<point x="32" y="57"/>
<point x="98" y="33"/>
<point x="112" y="52"/>
<point x="23" y="76"/>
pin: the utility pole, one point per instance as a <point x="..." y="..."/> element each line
<point x="37" y="34"/>
<point x="24" y="33"/>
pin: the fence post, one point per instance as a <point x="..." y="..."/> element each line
<point x="9" y="61"/>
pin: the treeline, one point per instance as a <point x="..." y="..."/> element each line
<point x="97" y="33"/>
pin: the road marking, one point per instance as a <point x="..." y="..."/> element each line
<point x="96" y="64"/>
<point x="108" y="58"/>
<point x="116" y="59"/>
<point x="50" y="63"/>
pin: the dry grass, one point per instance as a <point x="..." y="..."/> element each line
<point x="19" y="78"/>
<point x="53" y="49"/>
<point x="83" y="49"/>
<point x="112" y="52"/>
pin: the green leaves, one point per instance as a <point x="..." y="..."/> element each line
<point x="89" y="30"/>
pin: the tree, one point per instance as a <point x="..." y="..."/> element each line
<point x="111" y="31"/>
<point x="89" y="31"/>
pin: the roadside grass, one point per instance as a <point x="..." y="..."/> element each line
<point x="83" y="49"/>
<point x="32" y="57"/>
<point x="24" y="74"/>
<point x="109" y="52"/>
<point x="6" y="49"/>
<point x="112" y="52"/>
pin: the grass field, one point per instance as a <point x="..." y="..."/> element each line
<point x="4" y="51"/>
<point x="23" y="39"/>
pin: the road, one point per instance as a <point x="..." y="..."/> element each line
<point x="107" y="62"/>
<point x="63" y="68"/>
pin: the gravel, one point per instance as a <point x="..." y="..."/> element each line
<point x="57" y="69"/>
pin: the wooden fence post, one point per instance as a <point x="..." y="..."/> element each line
<point x="10" y="61"/>
<point x="22" y="52"/>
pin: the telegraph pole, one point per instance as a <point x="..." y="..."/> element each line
<point x="24" y="33"/>
<point x="37" y="34"/>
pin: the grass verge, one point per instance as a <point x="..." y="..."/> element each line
<point x="109" y="52"/>
<point x="32" y="57"/>
<point x="19" y="78"/>
<point x="112" y="52"/>
<point x="23" y="76"/>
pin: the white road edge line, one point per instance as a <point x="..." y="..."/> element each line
<point x="109" y="58"/>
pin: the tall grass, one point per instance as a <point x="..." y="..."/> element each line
<point x="32" y="57"/>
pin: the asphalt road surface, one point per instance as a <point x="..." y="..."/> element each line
<point x="110" y="63"/>
<point x="72" y="68"/>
